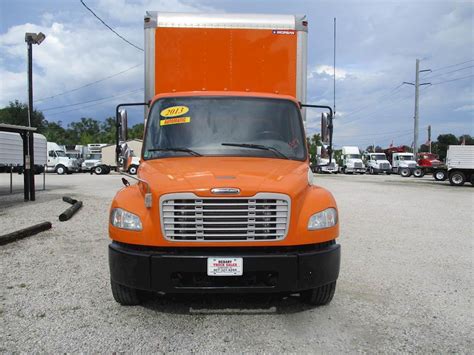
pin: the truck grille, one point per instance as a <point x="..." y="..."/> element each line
<point x="411" y="165"/>
<point x="187" y="217"/>
<point x="384" y="166"/>
<point x="358" y="165"/>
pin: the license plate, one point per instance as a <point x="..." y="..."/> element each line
<point x="225" y="266"/>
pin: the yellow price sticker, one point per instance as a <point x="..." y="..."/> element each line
<point x="176" y="120"/>
<point x="174" y="111"/>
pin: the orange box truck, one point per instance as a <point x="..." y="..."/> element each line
<point x="225" y="200"/>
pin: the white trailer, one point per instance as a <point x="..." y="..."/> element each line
<point x="459" y="165"/>
<point x="11" y="152"/>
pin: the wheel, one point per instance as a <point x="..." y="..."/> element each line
<point x="388" y="172"/>
<point x="405" y="172"/>
<point x="440" y="175"/>
<point x="98" y="170"/>
<point x="124" y="295"/>
<point x="319" y="296"/>
<point x="419" y="173"/>
<point x="133" y="169"/>
<point x="344" y="171"/>
<point x="60" y="169"/>
<point x="472" y="179"/>
<point x="106" y="170"/>
<point x="457" y="178"/>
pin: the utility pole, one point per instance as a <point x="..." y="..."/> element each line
<point x="417" y="95"/>
<point x="429" y="136"/>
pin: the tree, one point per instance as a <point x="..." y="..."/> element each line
<point x="16" y="113"/>
<point x="313" y="142"/>
<point x="467" y="139"/>
<point x="445" y="140"/>
<point x="136" y="132"/>
<point x="54" y="132"/>
<point x="86" y="131"/>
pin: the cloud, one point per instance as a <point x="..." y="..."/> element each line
<point x="465" y="108"/>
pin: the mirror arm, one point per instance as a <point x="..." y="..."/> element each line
<point x="118" y="126"/>
<point x="330" y="127"/>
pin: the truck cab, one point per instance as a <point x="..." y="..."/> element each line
<point x="403" y="163"/>
<point x="225" y="200"/>
<point x="92" y="157"/>
<point x="377" y="163"/>
<point x="352" y="161"/>
<point x="58" y="161"/>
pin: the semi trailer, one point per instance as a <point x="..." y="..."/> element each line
<point x="11" y="152"/>
<point x="459" y="167"/>
<point x="225" y="200"/>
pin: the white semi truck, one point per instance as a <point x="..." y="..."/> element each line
<point x="459" y="166"/>
<point x="377" y="163"/>
<point x="11" y="152"/>
<point x="351" y="161"/>
<point x="59" y="162"/>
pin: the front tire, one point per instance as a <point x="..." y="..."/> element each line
<point x="457" y="178"/>
<point x="124" y="295"/>
<point x="319" y="296"/>
<point x="133" y="169"/>
<point x="405" y="172"/>
<point x="98" y="170"/>
<point x="61" y="169"/>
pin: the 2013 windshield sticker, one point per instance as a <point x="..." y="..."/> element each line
<point x="174" y="111"/>
<point x="175" y="120"/>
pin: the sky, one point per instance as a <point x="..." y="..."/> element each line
<point x="378" y="43"/>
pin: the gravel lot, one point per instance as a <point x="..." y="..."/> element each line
<point x="406" y="282"/>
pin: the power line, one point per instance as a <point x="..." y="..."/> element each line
<point x="453" y="65"/>
<point x="390" y="93"/>
<point x="448" y="72"/>
<point x="448" y="81"/>
<point x="95" y="104"/>
<point x="373" y="134"/>
<point x="79" y="103"/>
<point x="110" y="28"/>
<point x="89" y="84"/>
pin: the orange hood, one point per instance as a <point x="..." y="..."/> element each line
<point x="200" y="174"/>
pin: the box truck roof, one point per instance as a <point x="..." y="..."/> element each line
<point x="222" y="52"/>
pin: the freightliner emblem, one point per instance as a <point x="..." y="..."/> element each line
<point x="225" y="190"/>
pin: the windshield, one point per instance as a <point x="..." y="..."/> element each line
<point x="60" y="153"/>
<point x="224" y="126"/>
<point x="379" y="157"/>
<point x="93" y="156"/>
<point x="353" y="156"/>
<point x="406" y="157"/>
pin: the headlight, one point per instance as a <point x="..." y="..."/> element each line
<point x="323" y="219"/>
<point x="125" y="220"/>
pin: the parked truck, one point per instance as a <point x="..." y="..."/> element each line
<point x="426" y="163"/>
<point x="351" y="161"/>
<point x="225" y="200"/>
<point x="403" y="162"/>
<point x="11" y="152"/>
<point x="377" y="163"/>
<point x="59" y="162"/>
<point x="92" y="157"/>
<point x="459" y="166"/>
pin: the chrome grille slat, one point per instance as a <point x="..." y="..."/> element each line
<point x="187" y="217"/>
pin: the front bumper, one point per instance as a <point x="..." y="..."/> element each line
<point x="265" y="269"/>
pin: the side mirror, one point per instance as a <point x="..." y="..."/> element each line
<point x="326" y="128"/>
<point x="123" y="120"/>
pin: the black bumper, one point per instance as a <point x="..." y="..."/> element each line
<point x="265" y="269"/>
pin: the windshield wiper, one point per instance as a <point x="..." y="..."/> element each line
<point x="186" y="150"/>
<point x="257" y="146"/>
